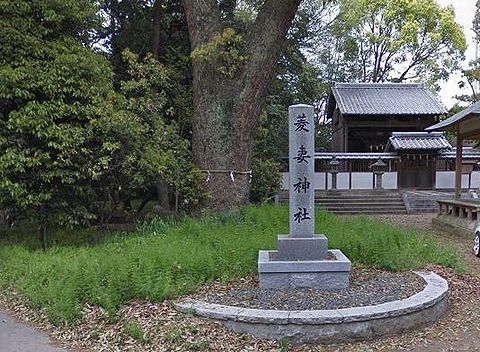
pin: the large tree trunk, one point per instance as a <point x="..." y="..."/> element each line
<point x="226" y="109"/>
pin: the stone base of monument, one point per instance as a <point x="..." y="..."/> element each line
<point x="334" y="325"/>
<point x="302" y="248"/>
<point x="331" y="273"/>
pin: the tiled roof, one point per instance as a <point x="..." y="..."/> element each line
<point x="448" y="124"/>
<point x="467" y="153"/>
<point x="355" y="156"/>
<point x="385" y="99"/>
<point x="417" y="141"/>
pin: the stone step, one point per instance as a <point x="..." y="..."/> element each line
<point x="426" y="210"/>
<point x="362" y="206"/>
<point x="359" y="201"/>
<point x="341" y="195"/>
<point x="348" y="206"/>
<point x="348" y="199"/>
<point x="366" y="212"/>
<point x="353" y="198"/>
<point x="367" y="202"/>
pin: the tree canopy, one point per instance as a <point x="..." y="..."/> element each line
<point x="471" y="75"/>
<point x="395" y="41"/>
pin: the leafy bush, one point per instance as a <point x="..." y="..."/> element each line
<point x="265" y="180"/>
<point x="71" y="147"/>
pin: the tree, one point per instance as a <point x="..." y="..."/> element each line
<point x="70" y="145"/>
<point x="230" y="76"/>
<point x="52" y="88"/>
<point x="472" y="73"/>
<point x="397" y="40"/>
<point x="142" y="141"/>
<point x="157" y="27"/>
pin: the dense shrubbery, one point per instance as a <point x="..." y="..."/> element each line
<point x="73" y="149"/>
<point x="163" y="259"/>
<point x="265" y="180"/>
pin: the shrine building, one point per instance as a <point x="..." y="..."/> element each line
<point x="387" y="121"/>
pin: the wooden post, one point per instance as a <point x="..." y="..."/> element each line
<point x="458" y="168"/>
<point x="345" y="140"/>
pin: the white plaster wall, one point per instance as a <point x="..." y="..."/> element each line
<point x="389" y="180"/>
<point x="362" y="180"/>
<point x="342" y="180"/>
<point x="446" y="180"/>
<point x="475" y="183"/>
<point x="465" y="181"/>
<point x="319" y="180"/>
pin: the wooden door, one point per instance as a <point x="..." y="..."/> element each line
<point x="416" y="171"/>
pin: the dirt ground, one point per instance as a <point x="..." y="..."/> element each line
<point x="144" y="326"/>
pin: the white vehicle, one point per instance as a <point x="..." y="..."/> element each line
<point x="476" y="241"/>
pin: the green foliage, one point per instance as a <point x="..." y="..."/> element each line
<point x="197" y="346"/>
<point x="269" y="147"/>
<point x="51" y="91"/>
<point x="71" y="148"/>
<point x="165" y="259"/>
<point x="472" y="73"/>
<point x="128" y="25"/>
<point x="143" y="142"/>
<point x="223" y="49"/>
<point x="297" y="80"/>
<point x="174" y="335"/>
<point x="134" y="330"/>
<point x="265" y="180"/>
<point x="283" y="344"/>
<point x="396" y="40"/>
<point x="372" y="243"/>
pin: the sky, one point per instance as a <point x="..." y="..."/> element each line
<point x="464" y="12"/>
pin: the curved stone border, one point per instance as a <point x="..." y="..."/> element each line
<point x="336" y="325"/>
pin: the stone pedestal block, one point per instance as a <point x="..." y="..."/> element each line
<point x="298" y="248"/>
<point x="328" y="274"/>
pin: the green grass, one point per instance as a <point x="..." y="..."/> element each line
<point x="134" y="330"/>
<point x="164" y="259"/>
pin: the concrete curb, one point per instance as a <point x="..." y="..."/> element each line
<point x="337" y="325"/>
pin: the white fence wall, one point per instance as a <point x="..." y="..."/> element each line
<point x="475" y="179"/>
<point x="364" y="180"/>
<point x="390" y="180"/>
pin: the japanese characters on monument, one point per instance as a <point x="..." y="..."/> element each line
<point x="301" y="170"/>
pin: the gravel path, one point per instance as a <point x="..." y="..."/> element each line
<point x="16" y="337"/>
<point x="367" y="288"/>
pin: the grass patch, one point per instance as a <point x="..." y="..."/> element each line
<point x="164" y="259"/>
<point x="134" y="330"/>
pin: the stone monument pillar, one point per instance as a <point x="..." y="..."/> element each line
<point x="301" y="243"/>
<point x="303" y="258"/>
